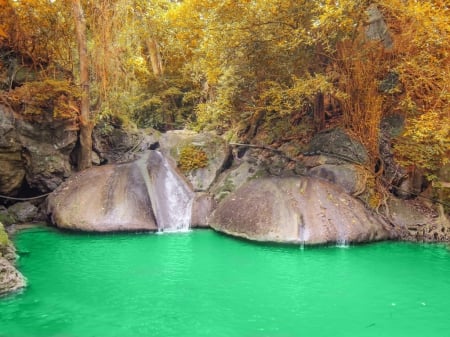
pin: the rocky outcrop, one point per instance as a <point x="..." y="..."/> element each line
<point x="405" y="183"/>
<point x="299" y="210"/>
<point x="216" y="149"/>
<point x="415" y="221"/>
<point x="336" y="143"/>
<point x="34" y="152"/>
<point x="5" y="217"/>
<point x="348" y="176"/>
<point x="24" y="212"/>
<point x="12" y="165"/>
<point x="248" y="167"/>
<point x="115" y="145"/>
<point x="145" y="194"/>
<point x="10" y="279"/>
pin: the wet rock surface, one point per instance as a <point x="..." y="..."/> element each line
<point x="299" y="210"/>
<point x="103" y="199"/>
<point x="144" y="194"/>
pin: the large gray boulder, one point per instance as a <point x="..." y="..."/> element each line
<point x="301" y="210"/>
<point x="145" y="194"/>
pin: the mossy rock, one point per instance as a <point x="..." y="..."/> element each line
<point x="6" y="218"/>
<point x="235" y="177"/>
<point x="3" y="237"/>
<point x="192" y="158"/>
<point x="200" y="156"/>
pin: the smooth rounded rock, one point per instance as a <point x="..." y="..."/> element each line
<point x="146" y="194"/>
<point x="103" y="199"/>
<point x="300" y="210"/>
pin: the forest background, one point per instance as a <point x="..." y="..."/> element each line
<point x="254" y="71"/>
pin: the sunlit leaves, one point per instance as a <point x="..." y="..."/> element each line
<point x="225" y="61"/>
<point x="423" y="63"/>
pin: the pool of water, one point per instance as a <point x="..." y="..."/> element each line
<point x="201" y="283"/>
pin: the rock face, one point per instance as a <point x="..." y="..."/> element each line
<point x="348" y="176"/>
<point x="23" y="212"/>
<point x="140" y="195"/>
<point x="35" y="152"/>
<point x="299" y="210"/>
<point x="414" y="221"/>
<point x="10" y="279"/>
<point x="114" y="145"/>
<point x="336" y="142"/>
<point x="245" y="168"/>
<point x="202" y="208"/>
<point x="216" y="149"/>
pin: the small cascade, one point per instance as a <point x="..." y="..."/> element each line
<point x="303" y="233"/>
<point x="342" y="243"/>
<point x="341" y="240"/>
<point x="170" y="195"/>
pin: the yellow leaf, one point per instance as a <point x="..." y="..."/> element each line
<point x="3" y="33"/>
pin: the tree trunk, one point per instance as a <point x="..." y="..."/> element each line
<point x="319" y="112"/>
<point x="86" y="125"/>
<point x="155" y="57"/>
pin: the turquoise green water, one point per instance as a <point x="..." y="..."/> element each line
<point x="204" y="284"/>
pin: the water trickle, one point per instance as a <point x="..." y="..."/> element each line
<point x="170" y="195"/>
<point x="342" y="243"/>
<point x="303" y="233"/>
<point x="342" y="236"/>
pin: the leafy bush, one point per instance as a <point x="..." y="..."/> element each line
<point x="192" y="158"/>
<point x="55" y="98"/>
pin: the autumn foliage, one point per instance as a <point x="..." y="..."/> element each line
<point x="275" y="69"/>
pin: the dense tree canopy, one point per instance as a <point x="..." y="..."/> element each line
<point x="268" y="69"/>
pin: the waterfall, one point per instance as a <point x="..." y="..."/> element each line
<point x="170" y="195"/>
<point x="341" y="240"/>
